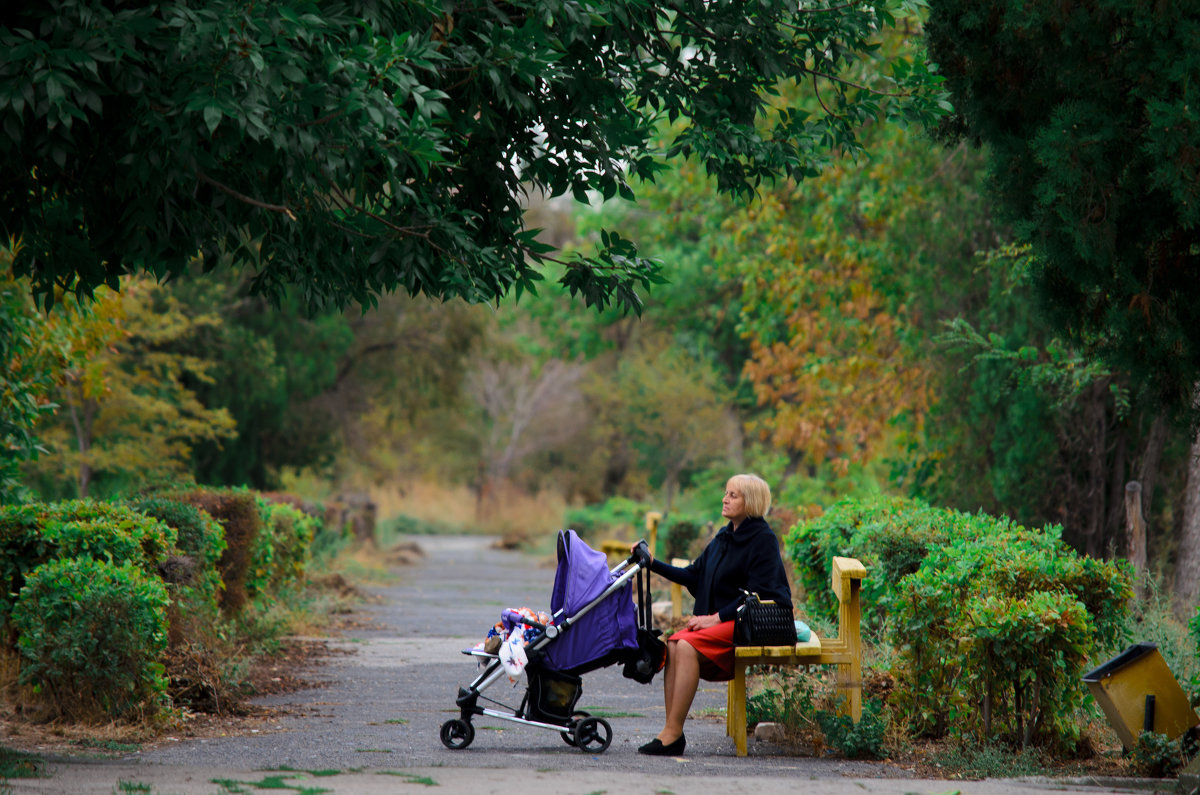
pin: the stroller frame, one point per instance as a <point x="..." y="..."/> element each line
<point x="588" y="733"/>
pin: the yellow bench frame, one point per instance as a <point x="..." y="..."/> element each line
<point x="844" y="651"/>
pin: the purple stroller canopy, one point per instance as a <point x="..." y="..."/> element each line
<point x="610" y="626"/>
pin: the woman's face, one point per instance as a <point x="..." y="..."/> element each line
<point x="733" y="507"/>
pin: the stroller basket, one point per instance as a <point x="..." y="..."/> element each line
<point x="552" y="696"/>
<point x="593" y="624"/>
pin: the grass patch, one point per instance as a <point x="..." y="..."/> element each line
<point x="372" y="750"/>
<point x="108" y="745"/>
<point x="313" y="773"/>
<point x="411" y="778"/>
<point x="18" y="764"/>
<point x="233" y="787"/>
<point x="605" y="713"/>
<point x="133" y="786"/>
<point x="990" y="761"/>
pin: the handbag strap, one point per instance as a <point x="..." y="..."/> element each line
<point x="645" y="613"/>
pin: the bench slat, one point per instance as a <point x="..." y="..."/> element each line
<point x="810" y="647"/>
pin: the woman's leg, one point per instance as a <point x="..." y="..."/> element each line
<point x="669" y="676"/>
<point x="682" y="677"/>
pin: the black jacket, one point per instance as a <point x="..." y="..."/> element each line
<point x="746" y="558"/>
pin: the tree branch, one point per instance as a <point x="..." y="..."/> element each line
<point x="852" y="84"/>
<point x="278" y="208"/>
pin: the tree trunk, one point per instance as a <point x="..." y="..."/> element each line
<point x="82" y="413"/>
<point x="1135" y="533"/>
<point x="1151" y="455"/>
<point x="1187" y="566"/>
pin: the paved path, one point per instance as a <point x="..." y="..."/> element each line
<point x="374" y="726"/>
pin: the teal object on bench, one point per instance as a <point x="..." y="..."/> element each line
<point x="803" y="633"/>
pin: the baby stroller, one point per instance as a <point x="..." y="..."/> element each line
<point x="593" y="624"/>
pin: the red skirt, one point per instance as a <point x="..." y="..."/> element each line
<point x="715" y="646"/>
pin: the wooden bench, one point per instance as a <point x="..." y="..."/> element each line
<point x="844" y="651"/>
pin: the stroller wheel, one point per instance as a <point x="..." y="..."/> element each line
<point x="569" y="736"/>
<point x="457" y="733"/>
<point x="593" y="735"/>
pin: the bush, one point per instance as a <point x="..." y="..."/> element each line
<point x="193" y="583"/>
<point x="198" y="535"/>
<point x="1156" y="756"/>
<point x="90" y="635"/>
<point x="281" y="549"/>
<point x="993" y="623"/>
<point x="891" y="536"/>
<point x="787" y="700"/>
<point x="862" y="740"/>
<point x="199" y="538"/>
<point x="994" y="636"/>
<point x="33" y="534"/>
<point x="237" y="513"/>
<point x="679" y="540"/>
<point x="620" y="517"/>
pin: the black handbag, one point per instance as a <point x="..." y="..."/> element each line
<point x="648" y="659"/>
<point x="759" y="623"/>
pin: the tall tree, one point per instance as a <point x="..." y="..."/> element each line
<point x="125" y="412"/>
<point x="1091" y="119"/>
<point x="1092" y="125"/>
<point x="32" y="355"/>
<point x="268" y="365"/>
<point x="355" y="148"/>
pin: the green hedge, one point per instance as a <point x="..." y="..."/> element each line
<point x="890" y="535"/>
<point x="237" y="513"/>
<point x="993" y="623"/>
<point x="199" y="538"/>
<point x="33" y="534"/>
<point x="198" y="535"/>
<point x="90" y="633"/>
<point x="893" y="536"/>
<point x="282" y="549"/>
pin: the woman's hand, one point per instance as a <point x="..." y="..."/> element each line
<point x="649" y="555"/>
<point x="703" y="622"/>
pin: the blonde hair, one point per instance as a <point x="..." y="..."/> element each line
<point x="756" y="494"/>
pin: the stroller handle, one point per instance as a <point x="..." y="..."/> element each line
<point x="641" y="554"/>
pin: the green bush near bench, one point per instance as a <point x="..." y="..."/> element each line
<point x="993" y="623"/>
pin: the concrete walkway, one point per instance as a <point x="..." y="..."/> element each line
<point x="374" y="725"/>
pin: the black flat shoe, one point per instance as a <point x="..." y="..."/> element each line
<point x="656" y="748"/>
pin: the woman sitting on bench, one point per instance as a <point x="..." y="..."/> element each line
<point x="744" y="555"/>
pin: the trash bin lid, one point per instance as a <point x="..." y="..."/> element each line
<point x="1134" y="652"/>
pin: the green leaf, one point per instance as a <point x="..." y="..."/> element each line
<point x="212" y="117"/>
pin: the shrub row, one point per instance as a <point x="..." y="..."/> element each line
<point x="993" y="623"/>
<point x="95" y="595"/>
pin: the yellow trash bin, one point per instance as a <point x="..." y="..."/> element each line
<point x="1138" y="692"/>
